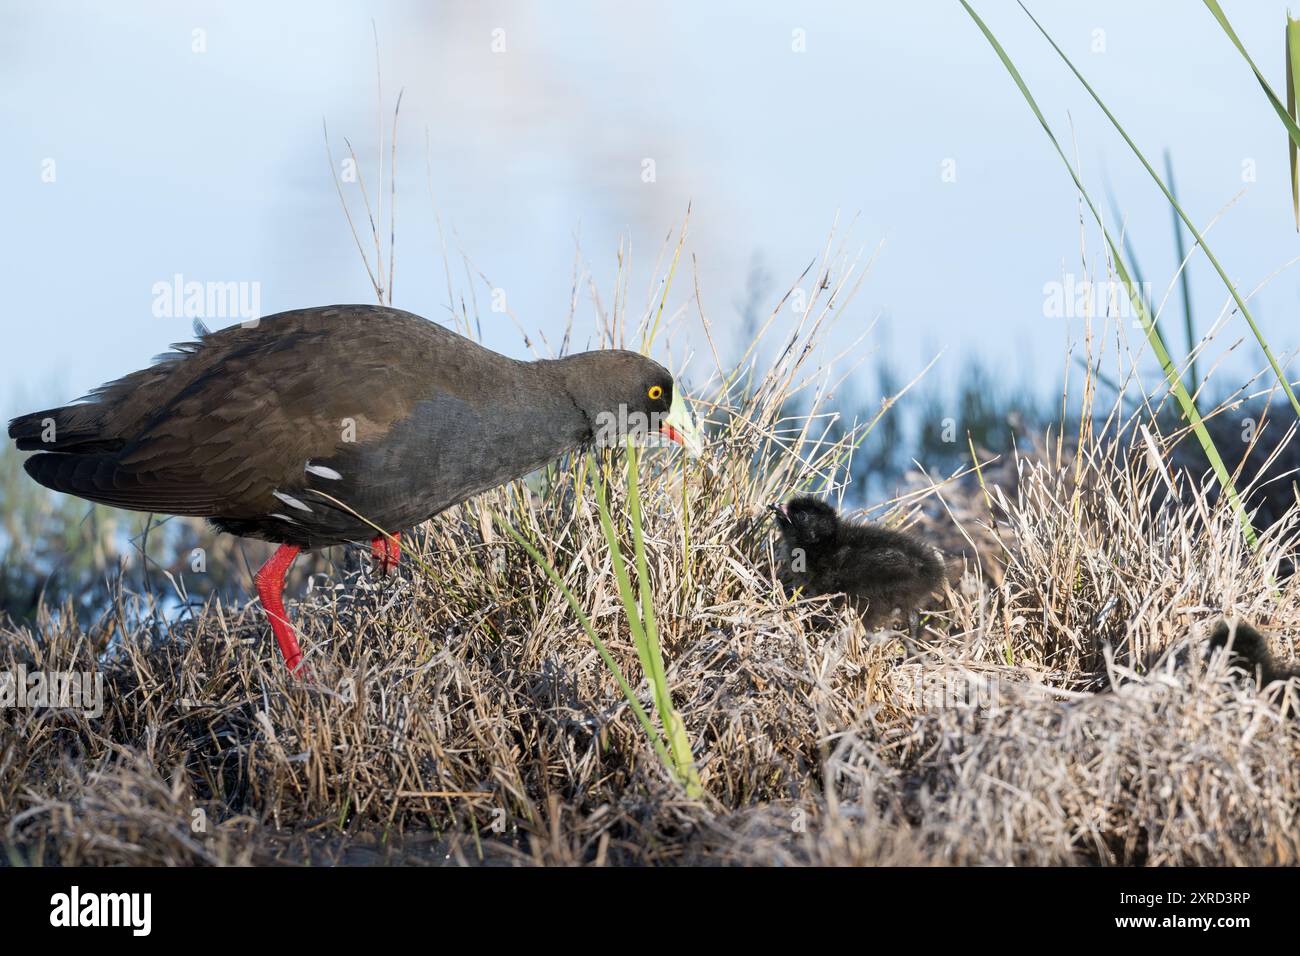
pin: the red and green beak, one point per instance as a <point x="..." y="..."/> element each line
<point x="678" y="426"/>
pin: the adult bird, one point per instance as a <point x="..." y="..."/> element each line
<point x="323" y="426"/>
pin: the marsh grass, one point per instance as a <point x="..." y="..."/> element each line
<point x="1149" y="327"/>
<point x="494" y="703"/>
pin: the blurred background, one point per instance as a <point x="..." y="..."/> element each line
<point x="178" y="142"/>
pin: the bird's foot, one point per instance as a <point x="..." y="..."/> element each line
<point x="386" y="551"/>
<point x="293" y="656"/>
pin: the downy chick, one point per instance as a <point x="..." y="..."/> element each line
<point x="1250" y="652"/>
<point x="878" y="570"/>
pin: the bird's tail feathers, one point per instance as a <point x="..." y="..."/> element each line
<point x="72" y="429"/>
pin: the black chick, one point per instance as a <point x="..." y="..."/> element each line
<point x="1250" y="652"/>
<point x="878" y="570"/>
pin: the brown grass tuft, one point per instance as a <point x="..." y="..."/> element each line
<point x="458" y="714"/>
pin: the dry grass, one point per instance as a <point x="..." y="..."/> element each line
<point x="1058" y="709"/>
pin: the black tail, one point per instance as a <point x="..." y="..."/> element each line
<point x="103" y="479"/>
<point x="74" y="429"/>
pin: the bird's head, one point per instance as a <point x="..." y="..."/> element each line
<point x="627" y="395"/>
<point x="807" y="521"/>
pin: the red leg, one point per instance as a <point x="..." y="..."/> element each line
<point x="394" y="549"/>
<point x="270" y="588"/>
<point x="387" y="551"/>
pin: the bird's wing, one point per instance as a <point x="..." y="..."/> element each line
<point x="217" y="427"/>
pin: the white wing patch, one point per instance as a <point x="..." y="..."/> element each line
<point x="291" y="501"/>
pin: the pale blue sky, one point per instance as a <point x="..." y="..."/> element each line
<point x="212" y="164"/>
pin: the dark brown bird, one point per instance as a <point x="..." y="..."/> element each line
<point x="1250" y="652"/>
<point x="877" y="569"/>
<point x="328" y="425"/>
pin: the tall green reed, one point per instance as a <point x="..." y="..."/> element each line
<point x="1172" y="376"/>
<point x="1200" y="239"/>
<point x="669" y="739"/>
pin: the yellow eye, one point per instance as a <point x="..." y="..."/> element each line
<point x="656" y="392"/>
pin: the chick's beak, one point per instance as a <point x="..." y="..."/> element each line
<point x="678" y="426"/>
